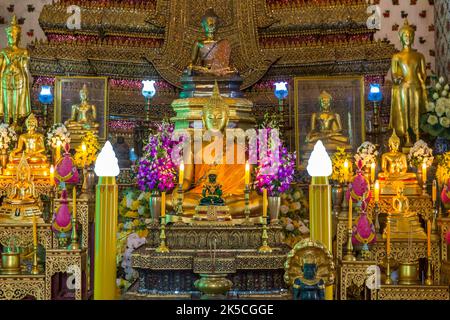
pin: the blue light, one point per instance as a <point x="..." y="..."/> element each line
<point x="46" y="95"/>
<point x="281" y="91"/>
<point x="148" y="89"/>
<point x="375" y="94"/>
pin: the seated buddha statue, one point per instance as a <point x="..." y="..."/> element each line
<point x="326" y="126"/>
<point x="84" y="114"/>
<point x="31" y="145"/>
<point x="394" y="167"/>
<point x="210" y="56"/>
<point x="21" y="201"/>
<point x="212" y="191"/>
<point x="231" y="177"/>
<point x="404" y="224"/>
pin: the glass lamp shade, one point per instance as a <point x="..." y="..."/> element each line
<point x="148" y="89"/>
<point x="46" y="95"/>
<point x="375" y="94"/>
<point x="319" y="164"/>
<point x="107" y="164"/>
<point x="281" y="91"/>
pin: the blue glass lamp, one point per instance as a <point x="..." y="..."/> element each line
<point x="46" y="95"/>
<point x="375" y="94"/>
<point x="281" y="91"/>
<point x="148" y="91"/>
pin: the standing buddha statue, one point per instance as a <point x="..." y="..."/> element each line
<point x="14" y="77"/>
<point x="326" y="126"/>
<point x="409" y="95"/>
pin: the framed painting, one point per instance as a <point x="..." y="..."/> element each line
<point x="68" y="96"/>
<point x="347" y="104"/>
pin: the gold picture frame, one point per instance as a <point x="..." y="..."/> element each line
<point x="67" y="89"/>
<point x="348" y="97"/>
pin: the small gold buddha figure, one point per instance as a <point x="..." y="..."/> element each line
<point x="409" y="94"/>
<point x="326" y="126"/>
<point x="210" y="56"/>
<point x="14" y="77"/>
<point x="21" y="201"/>
<point x="394" y="167"/>
<point x="404" y="223"/>
<point x="231" y="176"/>
<point x="84" y="114"/>
<point x="30" y="144"/>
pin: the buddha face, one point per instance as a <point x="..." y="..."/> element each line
<point x="394" y="145"/>
<point x="209" y="24"/>
<point x="216" y="119"/>
<point x="407" y="37"/>
<point x="212" y="177"/>
<point x="309" y="270"/>
<point x="13" y="36"/>
<point x="31" y="125"/>
<point x="325" y="103"/>
<point x="83" y="95"/>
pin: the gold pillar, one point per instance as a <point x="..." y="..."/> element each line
<point x="320" y="217"/>
<point x="105" y="239"/>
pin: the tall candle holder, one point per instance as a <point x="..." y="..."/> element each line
<point x="247" y="205"/>
<point x="74" y="245"/>
<point x="265" y="246"/>
<point x="429" y="278"/>
<point x="179" y="211"/>
<point x="349" y="256"/>
<point x="388" y="280"/>
<point x="163" y="248"/>
<point x="377" y="215"/>
<point x="35" y="267"/>
<point x="434" y="227"/>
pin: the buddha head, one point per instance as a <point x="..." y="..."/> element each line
<point x="31" y="123"/>
<point x="309" y="266"/>
<point x="406" y="34"/>
<point x="13" y="32"/>
<point x="394" y="142"/>
<point x="209" y="23"/>
<point x="325" y="100"/>
<point x="84" y="93"/>
<point x="215" y="112"/>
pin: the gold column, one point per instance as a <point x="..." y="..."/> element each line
<point x="105" y="239"/>
<point x="320" y="216"/>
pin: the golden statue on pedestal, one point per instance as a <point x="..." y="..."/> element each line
<point x="210" y="56"/>
<point x="21" y="202"/>
<point x="31" y="145"/>
<point x="409" y="95"/>
<point x="326" y="126"/>
<point x="404" y="223"/>
<point x="84" y="114"/>
<point x="230" y="176"/>
<point x="14" y="77"/>
<point x="394" y="166"/>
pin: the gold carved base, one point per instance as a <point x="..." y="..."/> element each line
<point x="411" y="188"/>
<point x="405" y="227"/>
<point x="77" y="135"/>
<point x="212" y="214"/>
<point x="20" y="213"/>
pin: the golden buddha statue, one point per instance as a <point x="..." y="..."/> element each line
<point x="84" y="114"/>
<point x="21" y="201"/>
<point x="404" y="223"/>
<point x="210" y="56"/>
<point x="230" y="176"/>
<point x="326" y="126"/>
<point x="394" y="167"/>
<point x="14" y="77"/>
<point x="30" y="144"/>
<point x="409" y="94"/>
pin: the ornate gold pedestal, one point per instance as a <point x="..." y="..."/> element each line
<point x="411" y="292"/>
<point x="20" y="286"/>
<point x="353" y="273"/>
<point x="77" y="135"/>
<point x="212" y="214"/>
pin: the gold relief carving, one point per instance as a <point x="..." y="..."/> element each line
<point x="23" y="234"/>
<point x="353" y="273"/>
<point x="59" y="260"/>
<point x="444" y="224"/>
<point x="19" y="287"/>
<point x="413" y="293"/>
<point x="422" y="205"/>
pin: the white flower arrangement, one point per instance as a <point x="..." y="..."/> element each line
<point x="419" y="154"/>
<point x="7" y="136"/>
<point x="436" y="121"/>
<point x="367" y="153"/>
<point x="58" y="132"/>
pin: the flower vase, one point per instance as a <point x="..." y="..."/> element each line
<point x="155" y="206"/>
<point x="88" y="181"/>
<point x="337" y="196"/>
<point x="274" y="204"/>
<point x="4" y="157"/>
